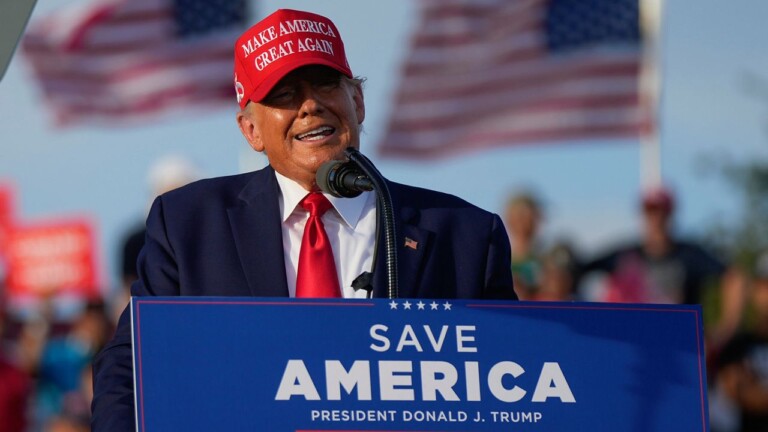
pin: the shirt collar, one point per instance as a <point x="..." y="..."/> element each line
<point x="350" y="209"/>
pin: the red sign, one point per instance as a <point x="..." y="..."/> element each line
<point x="52" y="258"/>
<point x="6" y="214"/>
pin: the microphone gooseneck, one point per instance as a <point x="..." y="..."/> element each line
<point x="386" y="217"/>
<point x="348" y="180"/>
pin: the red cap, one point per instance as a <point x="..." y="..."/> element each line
<point x="278" y="44"/>
<point x="660" y="198"/>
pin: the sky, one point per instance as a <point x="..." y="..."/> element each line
<point x="709" y="51"/>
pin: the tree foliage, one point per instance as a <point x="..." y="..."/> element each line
<point x="746" y="238"/>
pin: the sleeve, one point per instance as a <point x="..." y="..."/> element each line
<point x="498" y="271"/>
<point x="113" y="397"/>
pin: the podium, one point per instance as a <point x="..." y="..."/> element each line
<point x="251" y="364"/>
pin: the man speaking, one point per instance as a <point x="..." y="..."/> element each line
<point x="272" y="233"/>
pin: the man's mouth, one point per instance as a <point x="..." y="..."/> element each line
<point x="316" y="134"/>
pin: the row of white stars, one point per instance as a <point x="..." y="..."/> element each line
<point x="420" y="305"/>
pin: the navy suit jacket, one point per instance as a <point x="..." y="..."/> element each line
<point x="222" y="237"/>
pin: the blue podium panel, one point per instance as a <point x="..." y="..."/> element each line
<point x="224" y="364"/>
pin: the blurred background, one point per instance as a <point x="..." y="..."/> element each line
<point x="629" y="161"/>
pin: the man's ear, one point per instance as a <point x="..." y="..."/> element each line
<point x="249" y="130"/>
<point x="357" y="97"/>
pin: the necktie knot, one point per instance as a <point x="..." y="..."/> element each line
<point x="316" y="204"/>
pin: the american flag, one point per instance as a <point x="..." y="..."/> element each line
<point x="127" y="60"/>
<point x="411" y="243"/>
<point x="485" y="73"/>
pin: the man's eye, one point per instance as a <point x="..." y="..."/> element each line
<point x="329" y="83"/>
<point x="280" y="95"/>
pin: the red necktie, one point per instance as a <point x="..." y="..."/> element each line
<point x="316" y="276"/>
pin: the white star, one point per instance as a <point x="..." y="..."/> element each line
<point x="447" y="306"/>
<point x="420" y="305"/>
<point x="433" y="305"/>
<point x="407" y="305"/>
<point x="393" y="304"/>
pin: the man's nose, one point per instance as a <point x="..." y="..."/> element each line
<point x="311" y="100"/>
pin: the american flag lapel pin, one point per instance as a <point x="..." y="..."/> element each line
<point x="411" y="243"/>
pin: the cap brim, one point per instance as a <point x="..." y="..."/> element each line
<point x="260" y="92"/>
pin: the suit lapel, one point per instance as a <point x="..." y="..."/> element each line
<point x="412" y="243"/>
<point x="258" y="237"/>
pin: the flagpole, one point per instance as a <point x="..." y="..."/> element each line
<point x="651" y="12"/>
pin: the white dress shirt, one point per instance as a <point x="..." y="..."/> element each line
<point x="350" y="225"/>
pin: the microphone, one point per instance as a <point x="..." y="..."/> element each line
<point x="348" y="180"/>
<point x="342" y="179"/>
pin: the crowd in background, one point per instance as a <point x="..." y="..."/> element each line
<point x="45" y="377"/>
<point x="45" y="373"/>
<point x="661" y="268"/>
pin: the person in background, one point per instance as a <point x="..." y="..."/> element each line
<point x="75" y="413"/>
<point x="65" y="357"/>
<point x="661" y="268"/>
<point x="165" y="174"/>
<point x="522" y="218"/>
<point x="742" y="372"/>
<point x="15" y="385"/>
<point x="560" y="271"/>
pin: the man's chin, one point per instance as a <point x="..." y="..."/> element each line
<point x="334" y="153"/>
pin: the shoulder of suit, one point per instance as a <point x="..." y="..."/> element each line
<point x="215" y="189"/>
<point x="425" y="199"/>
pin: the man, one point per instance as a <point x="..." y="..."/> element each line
<point x="664" y="269"/>
<point x="242" y="235"/>
<point x="166" y="174"/>
<point x="522" y="218"/>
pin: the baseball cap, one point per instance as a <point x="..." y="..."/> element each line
<point x="280" y="43"/>
<point x="658" y="198"/>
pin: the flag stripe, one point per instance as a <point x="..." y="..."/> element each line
<point x="151" y="100"/>
<point x="489" y="141"/>
<point x="461" y="119"/>
<point x="141" y="109"/>
<point x="524" y="120"/>
<point x="468" y="57"/>
<point x="540" y="75"/>
<point x="148" y="55"/>
<point x="493" y="28"/>
<point x="66" y="91"/>
<point x="464" y="35"/>
<point x="520" y="123"/>
<point x="137" y="113"/>
<point x="93" y="75"/>
<point x="150" y="45"/>
<point x="124" y="33"/>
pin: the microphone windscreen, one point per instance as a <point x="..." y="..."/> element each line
<point x="323" y="176"/>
